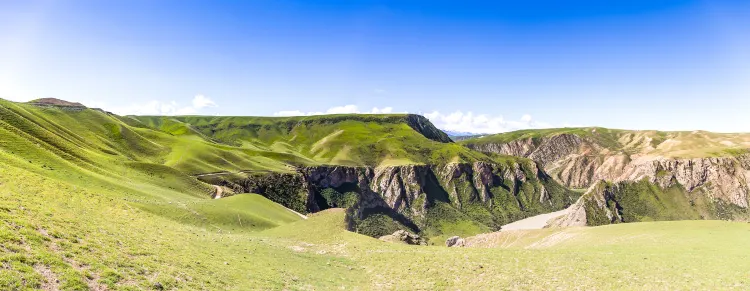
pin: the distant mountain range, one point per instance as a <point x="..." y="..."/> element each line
<point x="462" y="135"/>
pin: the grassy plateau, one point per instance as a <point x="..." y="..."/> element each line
<point x="672" y="144"/>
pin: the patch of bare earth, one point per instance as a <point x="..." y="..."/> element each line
<point x="51" y="283"/>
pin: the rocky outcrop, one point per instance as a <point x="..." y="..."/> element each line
<point x="403" y="236"/>
<point x="405" y="188"/>
<point x="57" y="103"/>
<point x="592" y="208"/>
<point x="579" y="162"/>
<point x="725" y="178"/>
<point x="545" y="150"/>
<point x="643" y="200"/>
<point x="423" y="125"/>
<point x="455" y="241"/>
<point x="498" y="192"/>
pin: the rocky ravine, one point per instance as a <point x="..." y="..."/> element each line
<point x="579" y="162"/>
<point x="507" y="192"/>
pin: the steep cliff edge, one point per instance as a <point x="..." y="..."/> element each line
<point x="578" y="158"/>
<point x="423" y="125"/>
<point x="454" y="198"/>
<point x="636" y="201"/>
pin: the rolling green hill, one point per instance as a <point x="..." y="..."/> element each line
<point x="349" y="140"/>
<point x="58" y="235"/>
<point x="140" y="155"/>
<point x="94" y="201"/>
<point x="93" y="139"/>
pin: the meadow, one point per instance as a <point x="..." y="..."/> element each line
<point x="93" y="201"/>
<point x="57" y="235"/>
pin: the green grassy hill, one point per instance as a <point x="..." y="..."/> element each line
<point x="95" y="201"/>
<point x="350" y="140"/>
<point x="138" y="155"/>
<point x="59" y="136"/>
<point x="58" y="235"/>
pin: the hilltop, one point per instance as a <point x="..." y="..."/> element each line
<point x="350" y="140"/>
<point x="55" y="102"/>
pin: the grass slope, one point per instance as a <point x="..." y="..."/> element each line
<point x="75" y="240"/>
<point x="95" y="201"/>
<point x="350" y="140"/>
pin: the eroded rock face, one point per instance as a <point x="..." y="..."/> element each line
<point x="396" y="188"/>
<point x="596" y="198"/>
<point x="490" y="194"/>
<point x="724" y="178"/>
<point x="405" y="188"/>
<point x="579" y="163"/>
<point x="546" y="150"/>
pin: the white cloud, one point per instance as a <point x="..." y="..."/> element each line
<point x="385" y="110"/>
<point x="481" y="123"/>
<point x="289" y="113"/>
<point x="201" y="101"/>
<point x="343" y="109"/>
<point x="156" y="107"/>
<point x="346" y="109"/>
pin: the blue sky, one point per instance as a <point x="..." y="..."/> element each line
<point x="467" y="65"/>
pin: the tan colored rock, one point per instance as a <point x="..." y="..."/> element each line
<point x="402" y="236"/>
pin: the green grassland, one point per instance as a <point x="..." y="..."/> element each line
<point x="138" y="156"/>
<point x="349" y="140"/>
<point x="94" y="201"/>
<point x="676" y="144"/>
<point x="57" y="234"/>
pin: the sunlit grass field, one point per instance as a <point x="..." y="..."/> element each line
<point x="90" y="201"/>
<point x="55" y="234"/>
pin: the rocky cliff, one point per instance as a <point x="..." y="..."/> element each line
<point x="580" y="161"/>
<point x="423" y="125"/>
<point x="424" y="196"/>
<point x="629" y="201"/>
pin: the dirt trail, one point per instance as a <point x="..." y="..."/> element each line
<point x="219" y="191"/>
<point x="295" y="212"/>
